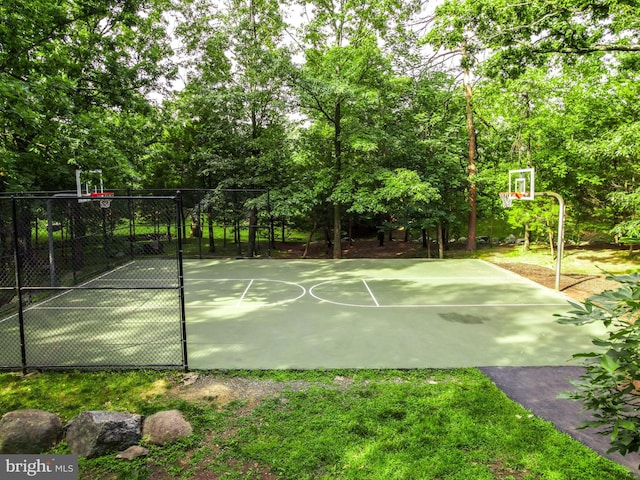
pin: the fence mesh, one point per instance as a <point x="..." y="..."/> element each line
<point x="85" y="284"/>
<point x="225" y="222"/>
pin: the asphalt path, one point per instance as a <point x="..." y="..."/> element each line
<point x="537" y="389"/>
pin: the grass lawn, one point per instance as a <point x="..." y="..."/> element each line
<point x="416" y="424"/>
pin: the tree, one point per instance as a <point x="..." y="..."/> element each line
<point x="437" y="115"/>
<point x="628" y="202"/>
<point x="65" y="68"/>
<point x="235" y="102"/>
<point x="609" y="386"/>
<point x="340" y="83"/>
<point x="451" y="32"/>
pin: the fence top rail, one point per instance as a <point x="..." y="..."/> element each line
<point x="37" y="193"/>
<point x="74" y="196"/>
<point x="132" y="192"/>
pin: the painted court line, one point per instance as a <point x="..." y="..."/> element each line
<point x="239" y="303"/>
<point x="244" y="294"/>
<point x="39" y="306"/>
<point x="370" y="292"/>
<point x="319" y="297"/>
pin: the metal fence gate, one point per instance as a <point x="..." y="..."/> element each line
<point x="91" y="282"/>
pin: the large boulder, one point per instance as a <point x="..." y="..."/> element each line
<point x="165" y="427"/>
<point x="95" y="433"/>
<point x="29" y="431"/>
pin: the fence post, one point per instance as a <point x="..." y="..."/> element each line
<point x="52" y="262"/>
<point x="18" y="272"/>
<point x="183" y="316"/>
<point x="270" y="234"/>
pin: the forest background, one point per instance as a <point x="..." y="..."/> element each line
<point x="376" y="114"/>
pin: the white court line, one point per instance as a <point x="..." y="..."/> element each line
<point x="427" y="305"/>
<point x="39" y="304"/>
<point x="370" y="292"/>
<point x="244" y="294"/>
<point x="238" y="303"/>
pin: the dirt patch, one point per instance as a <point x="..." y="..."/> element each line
<point x="579" y="287"/>
<point x="220" y="391"/>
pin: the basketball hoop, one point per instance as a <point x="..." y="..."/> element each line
<point x="507" y="199"/>
<point x="104" y="197"/>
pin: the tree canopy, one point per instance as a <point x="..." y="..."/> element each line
<point x="343" y="109"/>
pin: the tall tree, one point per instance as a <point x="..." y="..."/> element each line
<point x="451" y="36"/>
<point x="62" y="63"/>
<point x="343" y="72"/>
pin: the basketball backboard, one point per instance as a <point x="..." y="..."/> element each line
<point x="88" y="182"/>
<point x="522" y="183"/>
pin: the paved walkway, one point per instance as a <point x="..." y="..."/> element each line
<point x="537" y="389"/>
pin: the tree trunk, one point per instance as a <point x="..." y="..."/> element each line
<point x="283" y="235"/>
<point x="337" y="230"/>
<point x="440" y="240"/>
<point x="337" y="210"/>
<point x="309" y="238"/>
<point x="471" y="168"/>
<point x="527" y="237"/>
<point x="253" y="229"/>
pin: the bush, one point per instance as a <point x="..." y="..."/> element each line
<point x="610" y="386"/>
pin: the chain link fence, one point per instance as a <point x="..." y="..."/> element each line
<point x="223" y="223"/>
<point x="91" y="282"/>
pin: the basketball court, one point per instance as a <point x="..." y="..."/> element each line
<point x="396" y="313"/>
<point x="291" y="314"/>
<point x="303" y="314"/>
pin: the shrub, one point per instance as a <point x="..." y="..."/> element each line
<point x="610" y="386"/>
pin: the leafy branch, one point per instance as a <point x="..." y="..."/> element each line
<point x="610" y="386"/>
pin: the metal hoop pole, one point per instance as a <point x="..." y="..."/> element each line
<point x="560" y="248"/>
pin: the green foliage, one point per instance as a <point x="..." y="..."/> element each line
<point x="69" y="74"/>
<point x="610" y="386"/>
<point x="520" y="35"/>
<point x="628" y="204"/>
<point x="326" y="110"/>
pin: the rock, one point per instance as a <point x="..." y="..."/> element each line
<point x="95" y="433"/>
<point x="189" y="378"/>
<point x="29" y="431"/>
<point x="133" y="452"/>
<point x="164" y="427"/>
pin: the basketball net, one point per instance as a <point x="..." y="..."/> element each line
<point x="104" y="197"/>
<point x="507" y="199"/>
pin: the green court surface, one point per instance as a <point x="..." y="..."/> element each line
<point x="137" y="324"/>
<point x="395" y="313"/>
<point x="300" y="314"/>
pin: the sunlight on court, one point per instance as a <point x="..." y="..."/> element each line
<point x="372" y="314"/>
<point x="271" y="314"/>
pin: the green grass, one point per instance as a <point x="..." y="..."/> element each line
<point x="418" y="424"/>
